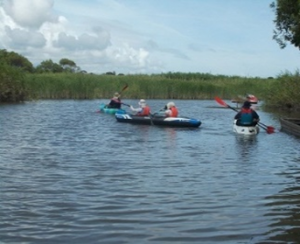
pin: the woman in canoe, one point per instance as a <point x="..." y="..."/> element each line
<point x="142" y="110"/>
<point x="247" y="116"/>
<point x="171" y="111"/>
<point x="115" y="102"/>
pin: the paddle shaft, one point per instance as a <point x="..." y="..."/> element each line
<point x="125" y="104"/>
<point x="124" y="88"/>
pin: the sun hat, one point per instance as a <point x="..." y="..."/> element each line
<point x="170" y="105"/>
<point x="117" y="94"/>
<point x="142" y="102"/>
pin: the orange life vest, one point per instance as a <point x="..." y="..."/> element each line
<point x="174" y="112"/>
<point x="145" y="111"/>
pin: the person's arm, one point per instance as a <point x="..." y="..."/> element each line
<point x="168" y="112"/>
<point x="255" y="116"/>
<point x="238" y="115"/>
<point x="135" y="109"/>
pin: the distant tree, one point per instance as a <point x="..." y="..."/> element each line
<point x="287" y="22"/>
<point x="110" y="73"/>
<point x="49" y="66"/>
<point x="15" y="60"/>
<point x="68" y="65"/>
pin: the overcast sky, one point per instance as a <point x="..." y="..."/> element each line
<point x="228" y="37"/>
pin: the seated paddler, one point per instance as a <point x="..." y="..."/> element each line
<point x="115" y="101"/>
<point x="247" y="116"/>
<point x="171" y="111"/>
<point x="142" y="110"/>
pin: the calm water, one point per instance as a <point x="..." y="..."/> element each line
<point x="71" y="175"/>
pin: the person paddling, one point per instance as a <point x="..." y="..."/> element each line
<point x="115" y="102"/>
<point x="171" y="111"/>
<point x="142" y="110"/>
<point x="247" y="116"/>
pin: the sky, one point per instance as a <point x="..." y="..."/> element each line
<point x="220" y="37"/>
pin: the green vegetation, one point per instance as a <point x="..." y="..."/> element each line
<point x="15" y="60"/>
<point x="162" y="86"/>
<point x="287" y="22"/>
<point x="14" y="68"/>
<point x="12" y="87"/>
<point x="19" y="81"/>
<point x="284" y="92"/>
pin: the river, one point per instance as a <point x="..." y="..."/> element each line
<point x="71" y="175"/>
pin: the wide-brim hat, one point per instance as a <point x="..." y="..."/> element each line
<point x="142" y="102"/>
<point x="170" y="105"/>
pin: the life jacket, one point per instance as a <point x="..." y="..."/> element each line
<point x="246" y="116"/>
<point x="114" y="103"/>
<point x="145" y="111"/>
<point x="116" y="100"/>
<point x="174" y="112"/>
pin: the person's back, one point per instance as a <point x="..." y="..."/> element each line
<point x="247" y="116"/>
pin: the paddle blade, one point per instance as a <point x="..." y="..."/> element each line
<point x="270" y="129"/>
<point x="221" y="102"/>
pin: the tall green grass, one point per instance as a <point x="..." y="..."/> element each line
<point x="284" y="93"/>
<point x="162" y="86"/>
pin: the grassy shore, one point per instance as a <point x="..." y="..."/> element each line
<point x="280" y="92"/>
<point x="163" y="86"/>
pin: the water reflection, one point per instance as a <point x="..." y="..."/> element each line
<point x="285" y="208"/>
<point x="246" y="146"/>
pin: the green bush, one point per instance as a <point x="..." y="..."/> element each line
<point x="12" y="88"/>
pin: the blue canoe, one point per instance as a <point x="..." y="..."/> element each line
<point x="106" y="110"/>
<point x="158" y="120"/>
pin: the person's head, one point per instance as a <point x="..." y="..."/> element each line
<point x="142" y="103"/>
<point x="170" y="105"/>
<point x="117" y="94"/>
<point x="246" y="104"/>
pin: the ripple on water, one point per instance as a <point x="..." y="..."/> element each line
<point x="69" y="174"/>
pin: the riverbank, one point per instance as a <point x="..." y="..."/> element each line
<point x="277" y="93"/>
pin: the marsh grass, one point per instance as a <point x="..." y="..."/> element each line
<point x="284" y="93"/>
<point x="163" y="86"/>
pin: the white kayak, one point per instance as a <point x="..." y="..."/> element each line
<point x="245" y="130"/>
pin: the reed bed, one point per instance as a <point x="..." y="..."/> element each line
<point x="284" y="92"/>
<point x="162" y="86"/>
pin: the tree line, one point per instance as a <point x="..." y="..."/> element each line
<point x="14" y="66"/>
<point x="16" y="60"/>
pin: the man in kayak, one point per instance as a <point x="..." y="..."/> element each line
<point x="171" y="111"/>
<point x="247" y="116"/>
<point x="115" y="102"/>
<point x="142" y="110"/>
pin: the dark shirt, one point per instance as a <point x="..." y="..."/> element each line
<point x="114" y="103"/>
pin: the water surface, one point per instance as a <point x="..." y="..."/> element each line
<point x="71" y="175"/>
